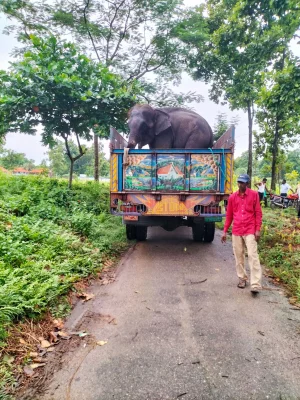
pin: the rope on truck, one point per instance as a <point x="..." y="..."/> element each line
<point x="218" y="163"/>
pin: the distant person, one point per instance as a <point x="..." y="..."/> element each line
<point x="284" y="188"/>
<point x="244" y="210"/>
<point x="262" y="191"/>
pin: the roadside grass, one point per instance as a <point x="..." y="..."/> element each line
<point x="50" y="238"/>
<point x="279" y="248"/>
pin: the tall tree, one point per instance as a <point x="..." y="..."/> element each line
<point x="131" y="37"/>
<point x="222" y="124"/>
<point x="232" y="42"/>
<point x="59" y="162"/>
<point x="279" y="108"/>
<point x="11" y="159"/>
<point x="64" y="92"/>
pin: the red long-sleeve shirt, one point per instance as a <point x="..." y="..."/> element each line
<point x="245" y="212"/>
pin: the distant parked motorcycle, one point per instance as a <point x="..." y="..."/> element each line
<point x="283" y="202"/>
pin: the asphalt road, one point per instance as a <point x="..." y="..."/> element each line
<point x="177" y="327"/>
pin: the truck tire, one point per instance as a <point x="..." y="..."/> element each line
<point x="209" y="232"/>
<point x="141" y="233"/>
<point x="131" y="232"/>
<point x="198" y="232"/>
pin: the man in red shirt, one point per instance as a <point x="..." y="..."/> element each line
<point x="244" y="210"/>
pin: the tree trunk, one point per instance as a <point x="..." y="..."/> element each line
<point x="276" y="134"/>
<point x="250" y="126"/>
<point x="100" y="166"/>
<point x="71" y="172"/>
<point x="96" y="150"/>
<point x="274" y="155"/>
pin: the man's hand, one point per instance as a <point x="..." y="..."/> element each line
<point x="257" y="236"/>
<point x="223" y="238"/>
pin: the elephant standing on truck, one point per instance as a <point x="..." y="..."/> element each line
<point x="168" y="128"/>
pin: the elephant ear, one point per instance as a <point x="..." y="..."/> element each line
<point x="162" y="122"/>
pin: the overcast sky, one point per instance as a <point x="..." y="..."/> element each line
<point x="33" y="149"/>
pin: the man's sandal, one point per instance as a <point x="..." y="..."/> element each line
<point x="241" y="284"/>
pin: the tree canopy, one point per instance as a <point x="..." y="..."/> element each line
<point x="288" y="165"/>
<point x="10" y="159"/>
<point x="239" y="47"/>
<point x="59" y="163"/>
<point x="231" y="44"/>
<point x="222" y="124"/>
<point x="131" y="37"/>
<point x="278" y="112"/>
<point x="63" y="92"/>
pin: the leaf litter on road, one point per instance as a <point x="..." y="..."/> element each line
<point x="64" y="335"/>
<point x="193" y="282"/>
<point x="80" y="333"/>
<point x="86" y="296"/>
<point x="28" y="370"/>
<point x="45" y="344"/>
<point x="101" y="342"/>
<point x="37" y="365"/>
<point x="8" y="359"/>
<point x="53" y="337"/>
<point x="58" y="323"/>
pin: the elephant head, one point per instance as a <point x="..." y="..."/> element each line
<point x="145" y="123"/>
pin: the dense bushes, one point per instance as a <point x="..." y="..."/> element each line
<point x="50" y="236"/>
<point x="279" y="248"/>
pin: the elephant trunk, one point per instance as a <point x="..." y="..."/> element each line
<point x="131" y="144"/>
<point x="133" y="139"/>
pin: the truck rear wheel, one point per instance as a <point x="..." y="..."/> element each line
<point x="141" y="233"/>
<point x="209" y="232"/>
<point x="198" y="232"/>
<point x="131" y="232"/>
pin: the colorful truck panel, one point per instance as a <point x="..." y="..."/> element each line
<point x="171" y="182"/>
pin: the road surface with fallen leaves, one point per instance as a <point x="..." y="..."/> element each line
<point x="174" y="325"/>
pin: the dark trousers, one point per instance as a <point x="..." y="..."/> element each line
<point x="283" y="195"/>
<point x="263" y="198"/>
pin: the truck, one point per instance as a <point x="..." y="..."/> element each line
<point x="171" y="187"/>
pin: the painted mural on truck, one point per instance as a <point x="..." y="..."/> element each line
<point x="138" y="172"/>
<point x="167" y="173"/>
<point x="204" y="173"/>
<point x="170" y="172"/>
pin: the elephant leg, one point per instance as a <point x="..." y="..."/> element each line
<point x="163" y="141"/>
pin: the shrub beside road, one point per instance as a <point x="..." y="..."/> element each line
<point x="280" y="248"/>
<point x="50" y="237"/>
